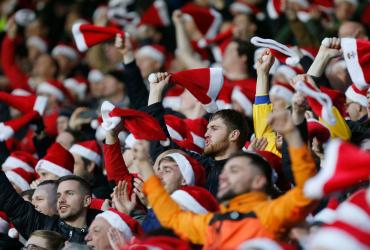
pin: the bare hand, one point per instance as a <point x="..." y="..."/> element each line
<point x="304" y="78"/>
<point x="75" y="122"/>
<point x="141" y="151"/>
<point x="121" y="200"/>
<point x="123" y="44"/>
<point x="330" y="47"/>
<point x="177" y="17"/>
<point x="116" y="239"/>
<point x="264" y="62"/>
<point x="299" y="103"/>
<point x="138" y="189"/>
<point x="12" y="29"/>
<point x="158" y="81"/>
<point x="258" y="144"/>
<point x="281" y="121"/>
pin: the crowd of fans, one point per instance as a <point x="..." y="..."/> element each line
<point x="185" y="124"/>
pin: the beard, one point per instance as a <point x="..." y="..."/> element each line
<point x="216" y="148"/>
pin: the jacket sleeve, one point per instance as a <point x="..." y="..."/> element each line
<point x="340" y="129"/>
<point x="293" y="206"/>
<point x="261" y="110"/>
<point x="186" y="224"/>
<point x="23" y="215"/>
<point x="16" y="77"/>
<point x="136" y="89"/>
<point x="114" y="164"/>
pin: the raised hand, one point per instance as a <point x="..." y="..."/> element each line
<point x="281" y="122"/>
<point x="264" y="62"/>
<point x="138" y="189"/>
<point x="258" y="144"/>
<point x="121" y="200"/>
<point x="116" y="239"/>
<point x="331" y="47"/>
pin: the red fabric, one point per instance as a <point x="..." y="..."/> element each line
<point x="247" y="84"/>
<point x="202" y="16"/>
<point x="18" y="123"/>
<point x="161" y="242"/>
<point x="338" y="98"/>
<point x="17" y="78"/>
<point x="23" y="103"/>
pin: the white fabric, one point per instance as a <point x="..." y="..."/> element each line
<point x="271" y="11"/>
<point x="109" y="123"/>
<point x="185" y="168"/>
<point x="287" y="71"/>
<point x="4" y="226"/>
<point x="17" y="180"/>
<point x="260" y="243"/>
<point x="327" y="216"/>
<point x="48" y="88"/>
<point x="216" y="24"/>
<point x="64" y="50"/>
<point x="160" y="5"/>
<point x="151" y="52"/>
<point x="40" y="104"/>
<point x="187" y="202"/>
<point x="13" y="162"/>
<point x="198" y="140"/>
<point x="356" y="97"/>
<point x="76" y="87"/>
<point x="282" y="92"/>
<point x="116" y="222"/>
<point x="52" y="168"/>
<point x="238" y="96"/>
<point x="79" y="37"/>
<point x="353" y="215"/>
<point x="86" y="153"/>
<point x="38" y="43"/>
<point x="215" y="84"/>
<point x="5" y="132"/>
<point x="174" y="134"/>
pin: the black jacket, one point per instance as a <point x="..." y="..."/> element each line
<point x="27" y="220"/>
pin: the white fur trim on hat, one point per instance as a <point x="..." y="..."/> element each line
<point x="5" y="132"/>
<point x="130" y="141"/>
<point x="353" y="215"/>
<point x="271" y="11"/>
<point x="260" y="243"/>
<point x="162" y="11"/>
<point x="334" y="239"/>
<point x="48" y="88"/>
<point x="86" y="153"/>
<point x="4" y="225"/>
<point x="245" y="103"/>
<point x="187" y="202"/>
<point x="198" y="140"/>
<point x="13" y="233"/>
<point x="79" y="37"/>
<point x="327" y="216"/>
<point x="13" y="162"/>
<point x="215" y="26"/>
<point x="287" y="71"/>
<point x="65" y="51"/>
<point x="313" y="188"/>
<point x="151" y="52"/>
<point x="52" y="168"/>
<point x="38" y="43"/>
<point x="109" y="123"/>
<point x="40" y="104"/>
<point x="173" y="102"/>
<point x="17" y="180"/>
<point x="216" y="81"/>
<point x="356" y="97"/>
<point x="116" y="222"/>
<point x="75" y="86"/>
<point x="20" y="92"/>
<point x="349" y="47"/>
<point x="282" y="92"/>
<point x="174" y="134"/>
<point x="95" y="76"/>
<point x="185" y="167"/>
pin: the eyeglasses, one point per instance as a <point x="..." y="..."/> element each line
<point x="33" y="247"/>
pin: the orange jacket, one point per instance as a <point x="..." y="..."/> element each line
<point x="244" y="217"/>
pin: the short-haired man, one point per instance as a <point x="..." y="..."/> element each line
<point x="247" y="210"/>
<point x="44" y="199"/>
<point x="73" y="201"/>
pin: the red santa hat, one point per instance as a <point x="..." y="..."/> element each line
<point x="25" y="104"/>
<point x="55" y="88"/>
<point x="37" y="42"/>
<point x="142" y="125"/>
<point x="87" y="35"/>
<point x="57" y="161"/>
<point x="19" y="177"/>
<point x="356" y="54"/>
<point x="282" y="52"/>
<point x="340" y="236"/>
<point x="65" y="50"/>
<point x="287" y="71"/>
<point x="356" y="95"/>
<point x="156" y="52"/>
<point x="157" y="242"/>
<point x="156" y="15"/>
<point x="191" y="170"/>
<point x="218" y="39"/>
<point x="172" y="97"/>
<point x="224" y="98"/>
<point x="130" y="141"/>
<point x="8" y="128"/>
<point x="243" y="7"/>
<point x="76" y="85"/>
<point x="97" y="204"/>
<point x="318" y="130"/>
<point x="282" y="90"/>
<point x="87" y="149"/>
<point x="328" y="214"/>
<point x="122" y="222"/>
<point x="240" y="95"/>
<point x="344" y="166"/>
<point x="176" y="127"/>
<point x="320" y="102"/>
<point x="195" y="199"/>
<point x="4" y="223"/>
<point x="275" y="7"/>
<point x="204" y="84"/>
<point x="197" y="128"/>
<point x="206" y="19"/>
<point x="20" y="159"/>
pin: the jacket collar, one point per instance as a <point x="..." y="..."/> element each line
<point x="244" y="202"/>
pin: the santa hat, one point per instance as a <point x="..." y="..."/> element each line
<point x="224" y="98"/>
<point x="206" y="19"/>
<point x="65" y="50"/>
<point x="97" y="204"/>
<point x="320" y="102"/>
<point x="142" y="125"/>
<point x="156" y="52"/>
<point x="275" y="7"/>
<point x="37" y="42"/>
<point x="20" y="92"/>
<point x="87" y="149"/>
<point x="339" y="236"/>
<point x="88" y="35"/>
<point x="204" y="84"/>
<point x="57" y="161"/>
<point x="195" y="199"/>
<point x="240" y="95"/>
<point x="4" y="223"/>
<point x="172" y="97"/>
<point x="8" y="128"/>
<point x="191" y="170"/>
<point x="122" y="222"/>
<point x="282" y="90"/>
<point x="24" y="103"/>
<point x="256" y="56"/>
<point x="50" y="122"/>
<point x="344" y="166"/>
<point x="318" y="130"/>
<point x="287" y="71"/>
<point x="130" y="141"/>
<point x="357" y="95"/>
<point x="176" y="127"/>
<point x="158" y="242"/>
<point x="20" y="159"/>
<point x="53" y="87"/>
<point x="95" y="76"/>
<point x="328" y="214"/>
<point x="20" y="178"/>
<point x="198" y="129"/>
<point x="24" y="17"/>
<point x="156" y="15"/>
<point x="77" y="85"/>
<point x="243" y="7"/>
<point x="282" y="52"/>
<point x="218" y="39"/>
<point x="356" y="54"/>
